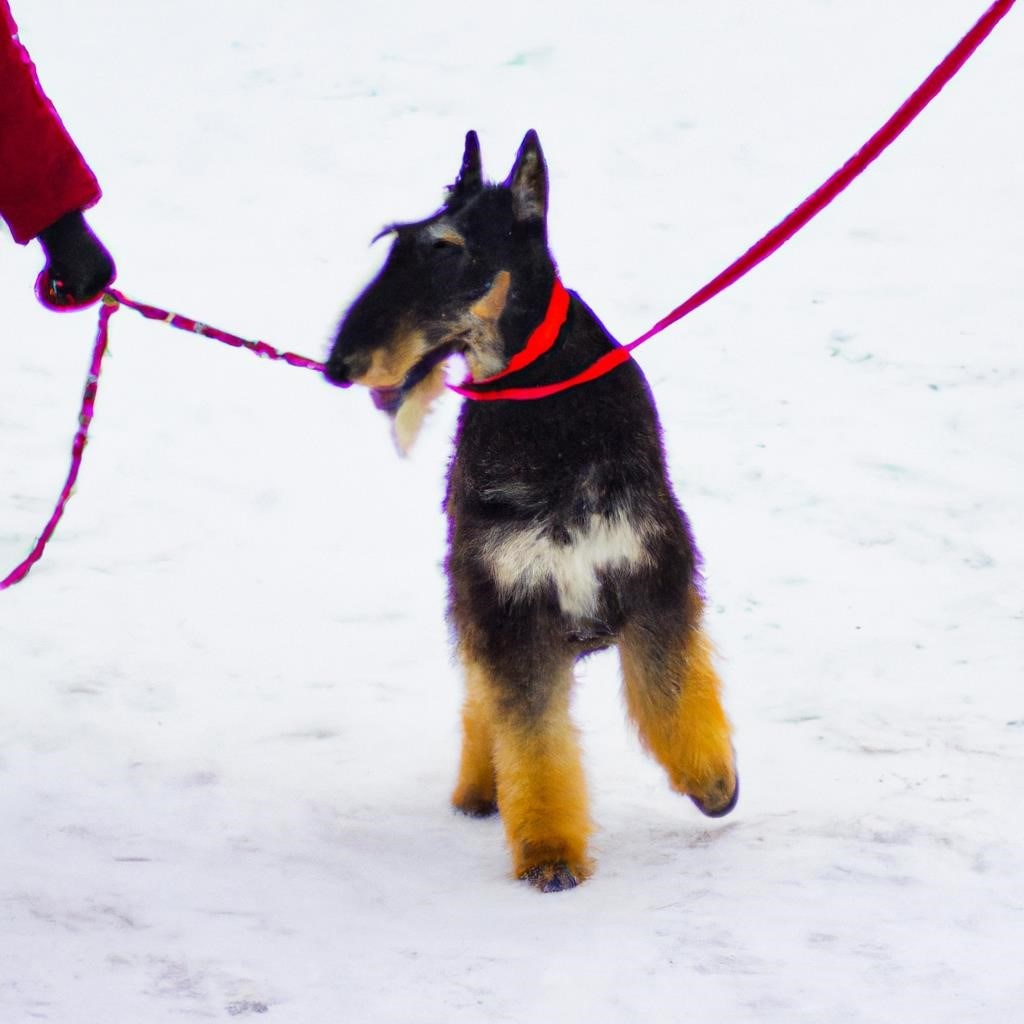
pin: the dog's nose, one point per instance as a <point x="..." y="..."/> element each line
<point x="338" y="371"/>
<point x="346" y="367"/>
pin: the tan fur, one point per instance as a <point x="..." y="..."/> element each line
<point x="476" y="788"/>
<point x="538" y="775"/>
<point x="390" y="364"/>
<point x="485" y="354"/>
<point x="492" y="305"/>
<point x="413" y="411"/>
<point x="681" y="720"/>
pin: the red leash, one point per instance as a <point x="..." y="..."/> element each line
<point x="544" y="337"/>
<point x="781" y="233"/>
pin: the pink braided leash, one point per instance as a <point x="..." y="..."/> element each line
<point x="92" y="383"/>
<point x="113" y="300"/>
<point x="184" y="323"/>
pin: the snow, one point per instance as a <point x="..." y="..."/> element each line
<point x="230" y="715"/>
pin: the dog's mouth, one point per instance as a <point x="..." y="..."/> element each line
<point x="389" y="400"/>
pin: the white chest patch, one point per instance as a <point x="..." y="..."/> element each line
<point x="524" y="561"/>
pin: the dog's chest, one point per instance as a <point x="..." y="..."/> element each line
<point x="525" y="559"/>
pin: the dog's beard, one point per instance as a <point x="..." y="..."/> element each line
<point x="475" y="339"/>
<point x="411" y="406"/>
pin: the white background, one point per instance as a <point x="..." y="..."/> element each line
<point x="228" y="714"/>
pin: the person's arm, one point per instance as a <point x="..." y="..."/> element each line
<point x="45" y="183"/>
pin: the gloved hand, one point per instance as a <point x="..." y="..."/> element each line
<point x="78" y="266"/>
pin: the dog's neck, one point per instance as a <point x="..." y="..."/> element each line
<point x="541" y="339"/>
<point x="504" y="321"/>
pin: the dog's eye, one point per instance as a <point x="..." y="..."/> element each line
<point x="445" y="244"/>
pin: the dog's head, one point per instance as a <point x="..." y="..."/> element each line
<point x="446" y="285"/>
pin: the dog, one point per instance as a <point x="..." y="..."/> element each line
<point x="564" y="534"/>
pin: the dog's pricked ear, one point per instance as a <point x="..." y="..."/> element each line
<point x="471" y="174"/>
<point x="528" y="181"/>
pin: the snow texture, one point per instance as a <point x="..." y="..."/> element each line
<point x="229" y="713"/>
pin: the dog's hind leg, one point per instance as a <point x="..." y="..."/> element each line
<point x="537" y="774"/>
<point x="674" y="696"/>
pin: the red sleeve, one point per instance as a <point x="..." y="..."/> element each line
<point x="42" y="174"/>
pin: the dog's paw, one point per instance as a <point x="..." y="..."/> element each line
<point x="555" y="877"/>
<point x="719" y="798"/>
<point x="475" y="806"/>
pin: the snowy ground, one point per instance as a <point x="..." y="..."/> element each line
<point x="229" y="718"/>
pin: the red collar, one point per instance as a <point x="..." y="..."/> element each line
<point x="541" y="339"/>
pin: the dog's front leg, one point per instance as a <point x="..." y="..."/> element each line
<point x="476" y="789"/>
<point x="537" y="772"/>
<point x="674" y="695"/>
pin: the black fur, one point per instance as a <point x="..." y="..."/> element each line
<point x="593" y="450"/>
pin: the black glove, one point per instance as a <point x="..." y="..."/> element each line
<point x="78" y="267"/>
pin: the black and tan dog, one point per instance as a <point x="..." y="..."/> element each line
<point x="564" y="534"/>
